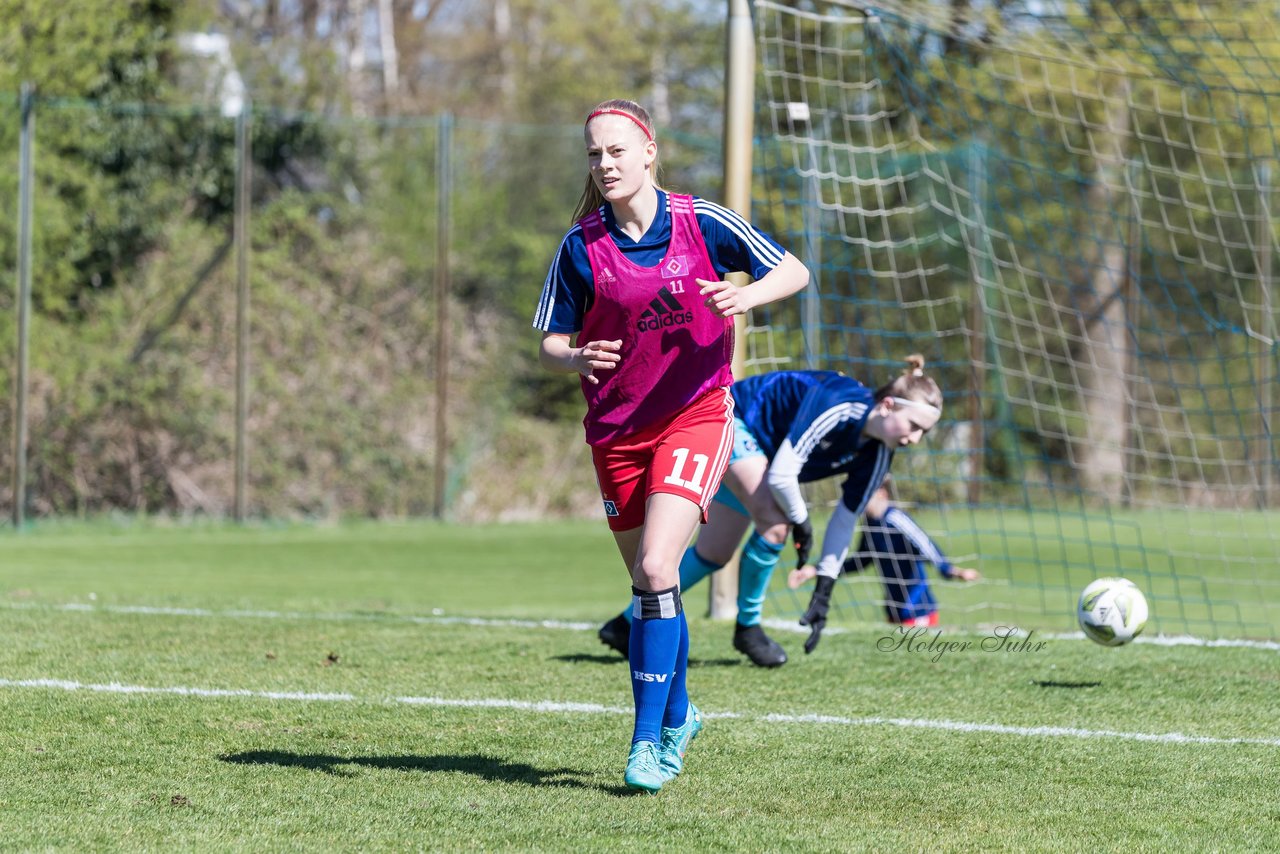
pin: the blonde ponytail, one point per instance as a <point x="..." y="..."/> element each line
<point x="913" y="384"/>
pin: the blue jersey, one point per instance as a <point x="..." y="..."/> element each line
<point x="821" y="414"/>
<point x="899" y="548"/>
<point x="733" y="245"/>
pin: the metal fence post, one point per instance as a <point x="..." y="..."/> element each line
<point x="444" y="189"/>
<point x="26" y="176"/>
<point x="244" y="175"/>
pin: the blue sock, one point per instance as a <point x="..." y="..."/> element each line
<point x="678" y="698"/>
<point x="759" y="557"/>
<point x="693" y="568"/>
<point x="654" y="647"/>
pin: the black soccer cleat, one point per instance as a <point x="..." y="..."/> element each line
<point x="763" y="650"/>
<point x="616" y="634"/>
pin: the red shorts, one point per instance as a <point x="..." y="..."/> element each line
<point x="930" y="619"/>
<point x="686" y="454"/>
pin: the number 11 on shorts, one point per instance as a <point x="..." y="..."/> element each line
<point x="676" y="478"/>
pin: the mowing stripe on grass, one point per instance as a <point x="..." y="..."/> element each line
<point x="556" y="707"/>
<point x="440" y="619"/>
<point x="545" y="706"/>
<point x="338" y="616"/>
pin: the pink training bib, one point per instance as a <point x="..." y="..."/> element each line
<point x="674" y="348"/>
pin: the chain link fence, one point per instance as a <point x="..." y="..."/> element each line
<point x="365" y="349"/>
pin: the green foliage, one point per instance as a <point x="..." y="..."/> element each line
<point x="98" y="171"/>
<point x="110" y="50"/>
<point x="134" y="353"/>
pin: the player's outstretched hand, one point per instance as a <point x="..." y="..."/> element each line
<point x="800" y="575"/>
<point x="724" y="298"/>
<point x="599" y="356"/>
<point x="802" y="536"/>
<point x="816" y="616"/>
<point x="960" y="573"/>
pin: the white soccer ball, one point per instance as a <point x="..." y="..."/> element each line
<point x="1112" y="611"/>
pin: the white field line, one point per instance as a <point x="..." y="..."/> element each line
<point x="1182" y="640"/>
<point x="555" y="708"/>
<point x="439" y="618"/>
<point x="117" y="688"/>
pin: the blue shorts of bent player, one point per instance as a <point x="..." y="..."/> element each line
<point x="745" y="447"/>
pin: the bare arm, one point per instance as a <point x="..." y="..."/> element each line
<point x="558" y="353"/>
<point x="789" y="277"/>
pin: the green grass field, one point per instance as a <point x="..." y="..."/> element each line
<point x="307" y="688"/>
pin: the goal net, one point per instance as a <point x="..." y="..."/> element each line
<point x="1067" y="209"/>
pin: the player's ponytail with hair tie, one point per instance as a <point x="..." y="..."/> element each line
<point x="913" y="386"/>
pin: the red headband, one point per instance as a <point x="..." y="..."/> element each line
<point x="647" y="133"/>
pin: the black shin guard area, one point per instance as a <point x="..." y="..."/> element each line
<point x="659" y="605"/>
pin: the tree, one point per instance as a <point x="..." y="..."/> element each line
<point x="99" y="173"/>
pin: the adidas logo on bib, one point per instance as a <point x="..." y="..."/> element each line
<point x="664" y="311"/>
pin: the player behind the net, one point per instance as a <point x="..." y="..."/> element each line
<point x="794" y="427"/>
<point x="636" y="303"/>
<point x="894" y="543"/>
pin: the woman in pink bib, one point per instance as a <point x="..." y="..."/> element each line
<point x="637" y="305"/>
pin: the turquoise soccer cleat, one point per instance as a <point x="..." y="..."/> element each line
<point x="675" y="741"/>
<point x="643" y="770"/>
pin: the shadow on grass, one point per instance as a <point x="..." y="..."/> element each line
<point x="718" y="662"/>
<point x="484" y="767"/>
<point x="583" y="658"/>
